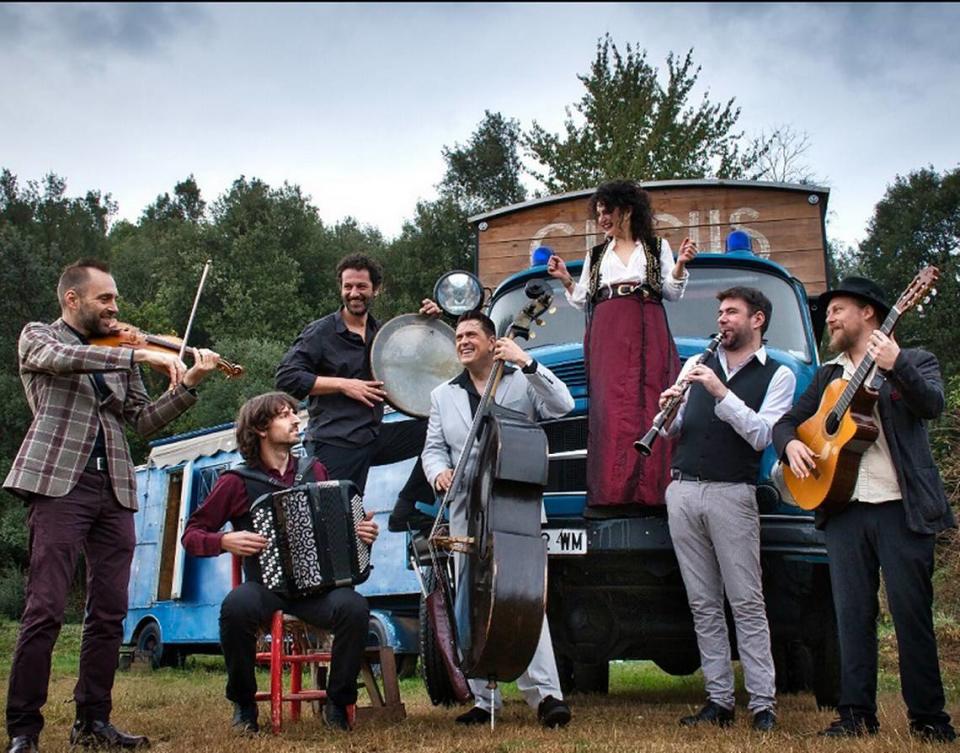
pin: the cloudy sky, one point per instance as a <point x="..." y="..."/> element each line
<point x="354" y="102"/>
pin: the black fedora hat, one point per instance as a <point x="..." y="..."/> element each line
<point x="858" y="287"/>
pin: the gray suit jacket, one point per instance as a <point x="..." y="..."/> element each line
<point x="539" y="395"/>
<point x="56" y="369"/>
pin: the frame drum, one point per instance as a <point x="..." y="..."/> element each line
<point x="411" y="354"/>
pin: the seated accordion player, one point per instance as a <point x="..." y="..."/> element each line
<point x="312" y="544"/>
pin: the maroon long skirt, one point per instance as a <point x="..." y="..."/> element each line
<point x="630" y="359"/>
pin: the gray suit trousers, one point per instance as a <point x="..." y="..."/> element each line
<point x="715" y="529"/>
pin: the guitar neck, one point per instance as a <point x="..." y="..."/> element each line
<point x="860" y="375"/>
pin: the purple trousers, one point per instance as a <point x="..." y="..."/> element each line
<point x="90" y="520"/>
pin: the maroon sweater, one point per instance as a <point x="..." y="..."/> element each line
<point x="227" y="502"/>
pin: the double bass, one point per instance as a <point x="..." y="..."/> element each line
<point x="500" y="596"/>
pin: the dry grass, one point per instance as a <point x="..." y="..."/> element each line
<point x="184" y="710"/>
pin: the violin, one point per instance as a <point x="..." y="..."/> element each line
<point x="128" y="336"/>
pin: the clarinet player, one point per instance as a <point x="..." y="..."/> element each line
<point x="724" y="423"/>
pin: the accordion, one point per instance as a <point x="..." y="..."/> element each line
<point x="312" y="544"/>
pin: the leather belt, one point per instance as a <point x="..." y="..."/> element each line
<point x="621" y="290"/>
<point x="678" y="475"/>
<point x="97" y="464"/>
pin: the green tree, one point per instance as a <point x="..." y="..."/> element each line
<point x="485" y="172"/>
<point x="915" y="224"/>
<point x="628" y="124"/>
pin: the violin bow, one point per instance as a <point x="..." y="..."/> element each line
<point x="193" y="312"/>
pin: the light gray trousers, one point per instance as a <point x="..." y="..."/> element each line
<point x="715" y="529"/>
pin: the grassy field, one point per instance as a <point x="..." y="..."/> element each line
<point x="184" y="710"/>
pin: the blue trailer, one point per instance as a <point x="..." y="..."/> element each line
<point x="174" y="600"/>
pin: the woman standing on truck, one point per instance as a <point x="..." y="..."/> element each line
<point x="629" y="353"/>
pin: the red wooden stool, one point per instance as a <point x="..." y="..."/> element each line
<point x="290" y="646"/>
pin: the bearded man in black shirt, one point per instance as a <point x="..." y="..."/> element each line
<point x="329" y="366"/>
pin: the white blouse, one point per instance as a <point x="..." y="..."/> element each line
<point x="614" y="272"/>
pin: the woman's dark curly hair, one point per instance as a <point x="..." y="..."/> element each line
<point x="255" y="415"/>
<point x="625" y="194"/>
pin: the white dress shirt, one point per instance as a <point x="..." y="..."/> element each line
<point x="756" y="427"/>
<point x="614" y="272"/>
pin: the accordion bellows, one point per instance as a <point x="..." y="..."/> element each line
<point x="312" y="544"/>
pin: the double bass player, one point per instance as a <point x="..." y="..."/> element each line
<point x="531" y="389"/>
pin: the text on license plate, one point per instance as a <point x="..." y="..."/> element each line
<point x="565" y="540"/>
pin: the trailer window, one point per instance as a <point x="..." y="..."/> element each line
<point x="205" y="479"/>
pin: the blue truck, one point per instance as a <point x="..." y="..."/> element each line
<point x="614" y="590"/>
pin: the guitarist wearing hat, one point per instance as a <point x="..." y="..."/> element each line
<point x="890" y="522"/>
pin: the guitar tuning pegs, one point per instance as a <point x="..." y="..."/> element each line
<point x="926" y="300"/>
<point x="540" y="322"/>
<point x="933" y="291"/>
<point x="532" y="336"/>
<point x="920" y="309"/>
<point x="552" y="310"/>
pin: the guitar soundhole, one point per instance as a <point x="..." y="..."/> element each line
<point x="832" y="423"/>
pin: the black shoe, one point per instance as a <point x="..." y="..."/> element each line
<point x="712" y="713"/>
<point x="764" y="720"/>
<point x="476" y="715"/>
<point x="99" y="734"/>
<point x="245" y="719"/>
<point x="552" y="712"/>
<point x="335" y="716"/>
<point x="936" y="732"/>
<point x="852" y="725"/>
<point x="23" y="744"/>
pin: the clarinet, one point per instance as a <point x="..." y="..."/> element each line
<point x="665" y="417"/>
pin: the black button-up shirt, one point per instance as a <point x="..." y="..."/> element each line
<point x="327" y="348"/>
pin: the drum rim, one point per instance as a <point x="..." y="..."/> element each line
<point x="377" y="346"/>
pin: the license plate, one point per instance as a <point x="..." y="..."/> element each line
<point x="565" y="540"/>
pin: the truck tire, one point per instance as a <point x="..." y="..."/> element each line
<point x="591" y="678"/>
<point x="432" y="668"/>
<point x="149" y="644"/>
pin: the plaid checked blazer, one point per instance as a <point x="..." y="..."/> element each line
<point x="56" y="370"/>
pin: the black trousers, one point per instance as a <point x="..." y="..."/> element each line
<point x="862" y="540"/>
<point x="250" y="606"/>
<point x="397" y="441"/>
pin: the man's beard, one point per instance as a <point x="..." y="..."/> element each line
<point x="350" y="303"/>
<point x="840" y="341"/>
<point x="94" y="323"/>
<point x="735" y="340"/>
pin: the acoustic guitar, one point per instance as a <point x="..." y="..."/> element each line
<point x="843" y="428"/>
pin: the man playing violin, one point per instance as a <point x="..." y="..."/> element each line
<point x="531" y="389"/>
<point x="329" y="366"/>
<point x="890" y="524"/>
<point x="75" y="472"/>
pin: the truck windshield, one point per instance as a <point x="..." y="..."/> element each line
<point x="693" y="316"/>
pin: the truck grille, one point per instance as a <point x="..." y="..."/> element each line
<point x="568" y="475"/>
<point x="571" y="374"/>
<point x="567" y="435"/>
